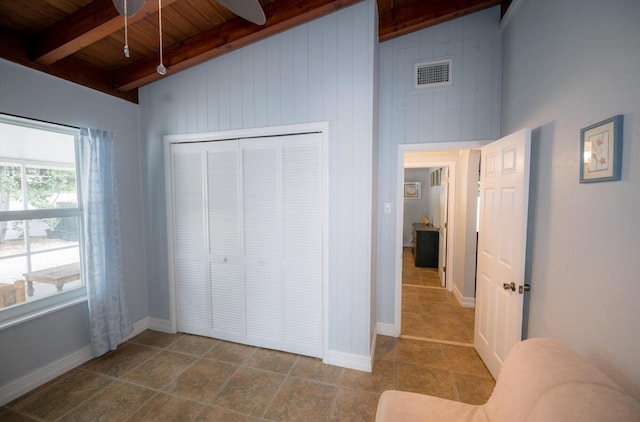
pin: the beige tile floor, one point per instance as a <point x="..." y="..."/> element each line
<point x="164" y="377"/>
<point x="181" y="377"/>
<point x="430" y="312"/>
<point x="417" y="276"/>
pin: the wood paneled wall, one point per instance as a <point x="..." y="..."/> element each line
<point x="320" y="71"/>
<point x="467" y="110"/>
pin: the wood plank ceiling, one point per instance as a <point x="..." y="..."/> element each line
<point x="82" y="40"/>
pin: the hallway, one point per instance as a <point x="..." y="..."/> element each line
<point x="430" y="312"/>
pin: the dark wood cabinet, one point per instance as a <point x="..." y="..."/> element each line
<point x="426" y="245"/>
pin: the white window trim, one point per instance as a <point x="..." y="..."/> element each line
<point x="41" y="307"/>
<point x="27" y="311"/>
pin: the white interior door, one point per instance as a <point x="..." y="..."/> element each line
<point x="504" y="195"/>
<point x="262" y="239"/>
<point x="282" y="194"/>
<point x="226" y="282"/>
<point x="302" y="226"/>
<point x="444" y="227"/>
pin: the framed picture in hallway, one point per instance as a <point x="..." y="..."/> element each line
<point x="411" y="190"/>
<point x="601" y="151"/>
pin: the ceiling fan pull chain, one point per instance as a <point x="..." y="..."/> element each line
<point x="126" y="32"/>
<point x="160" y="69"/>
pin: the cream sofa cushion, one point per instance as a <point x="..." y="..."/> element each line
<point x="413" y="407"/>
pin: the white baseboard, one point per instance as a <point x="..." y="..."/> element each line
<point x="465" y="302"/>
<point x="138" y="328"/>
<point x="45" y="374"/>
<point x="162" y="325"/>
<point x="348" y="360"/>
<point x="384" y="329"/>
<point x="15" y="389"/>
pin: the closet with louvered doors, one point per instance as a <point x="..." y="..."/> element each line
<point x="247" y="240"/>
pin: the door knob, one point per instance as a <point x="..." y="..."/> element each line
<point x="510" y="286"/>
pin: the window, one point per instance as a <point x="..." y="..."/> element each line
<point x="40" y="219"/>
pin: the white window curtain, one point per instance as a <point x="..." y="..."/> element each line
<point x="102" y="256"/>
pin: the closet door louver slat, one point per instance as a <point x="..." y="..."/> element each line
<point x="227" y="299"/>
<point x="261" y="198"/>
<point x="225" y="246"/>
<point x="223" y="200"/>
<point x="302" y="243"/>
<point x="190" y="249"/>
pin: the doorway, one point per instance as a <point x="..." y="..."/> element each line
<point x="430" y="310"/>
<point x="425" y="223"/>
<point x="432" y="306"/>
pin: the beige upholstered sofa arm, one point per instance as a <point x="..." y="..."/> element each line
<point x="541" y="381"/>
<point x="403" y="406"/>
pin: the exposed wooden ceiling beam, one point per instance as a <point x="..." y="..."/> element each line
<point x="52" y="50"/>
<point x="93" y="22"/>
<point x="231" y="35"/>
<point x="419" y="14"/>
<point x="14" y="48"/>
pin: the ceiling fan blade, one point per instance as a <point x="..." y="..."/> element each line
<point x="133" y="6"/>
<point x="250" y="10"/>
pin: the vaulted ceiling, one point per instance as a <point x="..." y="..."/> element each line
<point x="82" y="40"/>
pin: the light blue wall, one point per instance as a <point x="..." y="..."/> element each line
<point x="319" y="71"/>
<point x="469" y="110"/>
<point x="25" y="92"/>
<point x="569" y="64"/>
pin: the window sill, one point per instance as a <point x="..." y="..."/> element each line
<point x="61" y="303"/>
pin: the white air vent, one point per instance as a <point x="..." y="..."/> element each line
<point x="434" y="74"/>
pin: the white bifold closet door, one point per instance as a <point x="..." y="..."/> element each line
<point x="248" y="225"/>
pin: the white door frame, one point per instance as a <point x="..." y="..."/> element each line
<point x="424" y="147"/>
<point x="444" y="231"/>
